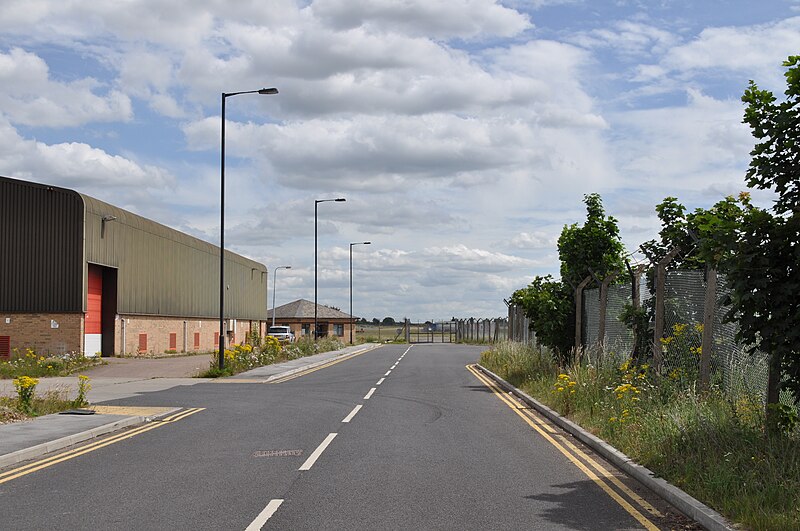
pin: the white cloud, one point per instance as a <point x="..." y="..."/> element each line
<point x="753" y="51"/>
<point x="30" y="97"/>
<point x="683" y="150"/>
<point x="628" y="37"/>
<point x="74" y="165"/>
<point x="533" y="240"/>
<point x="436" y="18"/>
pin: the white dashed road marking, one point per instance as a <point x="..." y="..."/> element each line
<point x="318" y="452"/>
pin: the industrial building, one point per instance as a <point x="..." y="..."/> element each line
<point x="81" y="275"/>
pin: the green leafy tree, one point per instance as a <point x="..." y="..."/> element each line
<point x="548" y="304"/>
<point x="676" y="231"/>
<point x="764" y="268"/>
<point x="595" y="246"/>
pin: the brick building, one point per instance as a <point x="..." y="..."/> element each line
<point x="299" y="315"/>
<point x="81" y="275"/>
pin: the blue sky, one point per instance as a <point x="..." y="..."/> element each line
<point x="463" y="133"/>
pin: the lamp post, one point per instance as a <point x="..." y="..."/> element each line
<point x="222" y="223"/>
<point x="316" y="203"/>
<point x="275" y="288"/>
<point x="352" y="319"/>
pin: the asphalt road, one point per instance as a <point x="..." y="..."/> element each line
<point x="430" y="447"/>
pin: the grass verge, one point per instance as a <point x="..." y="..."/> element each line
<point x="29" y="363"/>
<point x="29" y="405"/>
<point x="267" y="351"/>
<point x="712" y="446"/>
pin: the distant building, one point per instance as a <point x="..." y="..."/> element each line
<point x="299" y="315"/>
<point x="78" y="274"/>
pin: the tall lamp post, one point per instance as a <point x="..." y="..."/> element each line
<point x="352" y="319"/>
<point x="316" y="203"/>
<point x="222" y="222"/>
<point x="275" y="288"/>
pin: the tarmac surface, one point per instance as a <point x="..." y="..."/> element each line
<point x="123" y="378"/>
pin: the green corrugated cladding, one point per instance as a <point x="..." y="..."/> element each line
<point x="41" y="248"/>
<point x="160" y="271"/>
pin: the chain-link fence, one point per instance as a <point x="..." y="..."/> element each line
<point x="733" y="369"/>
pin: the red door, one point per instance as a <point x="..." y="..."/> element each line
<point x="94" y="299"/>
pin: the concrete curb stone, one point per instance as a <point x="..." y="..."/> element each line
<point x="70" y="440"/>
<point x="315" y="364"/>
<point x="691" y="507"/>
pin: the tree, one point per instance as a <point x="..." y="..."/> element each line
<point x="764" y="268"/>
<point x="595" y="247"/>
<point x="388" y="321"/>
<point x="548" y="304"/>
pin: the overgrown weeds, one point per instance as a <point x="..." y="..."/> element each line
<point x="266" y="351"/>
<point x="28" y="404"/>
<point x="29" y="363"/>
<point x="711" y="445"/>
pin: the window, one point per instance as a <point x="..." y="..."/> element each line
<point x="306" y="329"/>
<point x="216" y="339"/>
<point x="338" y="329"/>
<point x="5" y="346"/>
<point x="173" y="341"/>
<point x="197" y="340"/>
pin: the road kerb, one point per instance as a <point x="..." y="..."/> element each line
<point x="691" y="507"/>
<point x="316" y="364"/>
<point x="39" y="450"/>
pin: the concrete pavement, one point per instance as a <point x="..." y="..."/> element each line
<point x="123" y="378"/>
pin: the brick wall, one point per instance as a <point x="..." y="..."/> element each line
<point x="36" y="331"/>
<point x="158" y="329"/>
<point x="46" y="333"/>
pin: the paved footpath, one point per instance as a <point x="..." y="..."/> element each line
<point x="123" y="378"/>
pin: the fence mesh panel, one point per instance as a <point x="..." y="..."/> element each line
<point x="619" y="338"/>
<point x="733" y="369"/>
<point x="683" y="324"/>
<point x="591" y="315"/>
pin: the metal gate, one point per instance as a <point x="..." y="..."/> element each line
<point x="431" y="332"/>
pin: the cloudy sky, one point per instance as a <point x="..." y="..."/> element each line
<point x="463" y="133"/>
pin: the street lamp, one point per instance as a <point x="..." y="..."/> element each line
<point x="352" y="319"/>
<point x="275" y="288"/>
<point x="225" y="95"/>
<point x="317" y="202"/>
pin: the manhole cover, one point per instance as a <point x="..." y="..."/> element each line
<point x="277" y="453"/>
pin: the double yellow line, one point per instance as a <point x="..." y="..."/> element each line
<point x="320" y="367"/>
<point x="70" y="454"/>
<point x="600" y="475"/>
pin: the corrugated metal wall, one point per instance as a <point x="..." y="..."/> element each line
<point x="160" y="271"/>
<point x="41" y="248"/>
<point x="166" y="272"/>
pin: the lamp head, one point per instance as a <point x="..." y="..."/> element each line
<point x="340" y="199"/>
<point x="271" y="90"/>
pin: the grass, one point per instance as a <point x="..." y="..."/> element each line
<point x="712" y="446"/>
<point x="53" y="401"/>
<point x="269" y="350"/>
<point x="29" y="363"/>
